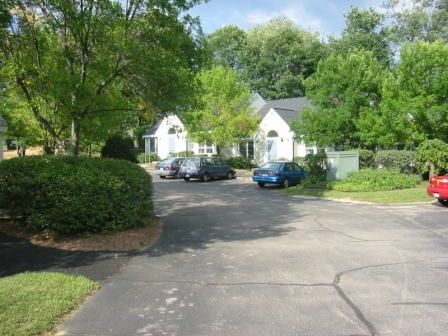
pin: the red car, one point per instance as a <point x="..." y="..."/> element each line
<point x="438" y="188"/>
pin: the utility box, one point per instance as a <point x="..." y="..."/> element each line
<point x="339" y="164"/>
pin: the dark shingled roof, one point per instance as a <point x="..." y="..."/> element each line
<point x="152" y="131"/>
<point x="3" y="122"/>
<point x="287" y="109"/>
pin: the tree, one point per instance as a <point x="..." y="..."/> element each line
<point x="364" y="30"/>
<point x="225" y="45"/>
<point x="278" y="57"/>
<point x="417" y="20"/>
<point x="340" y="90"/>
<point x="225" y="116"/>
<point x="432" y="157"/>
<point x="82" y="61"/>
<point x="417" y="97"/>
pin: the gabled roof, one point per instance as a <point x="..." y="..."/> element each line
<point x="152" y="131"/>
<point x="287" y="109"/>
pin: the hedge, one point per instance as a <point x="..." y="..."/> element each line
<point x="70" y="194"/>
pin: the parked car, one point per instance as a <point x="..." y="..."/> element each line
<point x="169" y="167"/>
<point x="284" y="173"/>
<point x="438" y="188"/>
<point x="205" y="168"/>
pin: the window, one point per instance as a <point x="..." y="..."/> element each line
<point x="321" y="150"/>
<point x="246" y="149"/>
<point x="310" y="150"/>
<point x="152" y="145"/>
<point x="297" y="167"/>
<point x="218" y="162"/>
<point x="205" y="148"/>
<point x="272" y="134"/>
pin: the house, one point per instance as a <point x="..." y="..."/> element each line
<point x="273" y="140"/>
<point x="3" y="129"/>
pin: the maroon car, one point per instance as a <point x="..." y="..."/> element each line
<point x="438" y="188"/>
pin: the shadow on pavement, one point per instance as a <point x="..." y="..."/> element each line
<point x="18" y="256"/>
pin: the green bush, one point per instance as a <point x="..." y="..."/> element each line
<point x="240" y="162"/>
<point x="183" y="154"/>
<point x="396" y="159"/>
<point x="432" y="154"/>
<point x="148" y="157"/>
<point x="118" y="147"/>
<point x="366" y="158"/>
<point x="316" y="169"/>
<point x="70" y="194"/>
<point x="376" y="180"/>
<point x="300" y="160"/>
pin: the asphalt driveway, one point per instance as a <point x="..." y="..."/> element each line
<point x="235" y="259"/>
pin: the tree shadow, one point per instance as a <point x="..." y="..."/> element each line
<point x="18" y="256"/>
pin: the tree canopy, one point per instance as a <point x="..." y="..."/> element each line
<point x="225" y="116"/>
<point x="342" y="88"/>
<point x="364" y="30"/>
<point x="76" y="63"/>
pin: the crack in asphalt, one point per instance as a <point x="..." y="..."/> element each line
<point x="334" y="284"/>
<point x="339" y="232"/>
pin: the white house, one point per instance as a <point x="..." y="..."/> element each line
<point x="273" y="140"/>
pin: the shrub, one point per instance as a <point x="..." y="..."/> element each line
<point x="147" y="157"/>
<point x="118" y="147"/>
<point x="240" y="162"/>
<point x="396" y="159"/>
<point x="300" y="160"/>
<point x="376" y="180"/>
<point x="316" y="169"/>
<point x="432" y="154"/>
<point x="366" y="158"/>
<point x="69" y="194"/>
<point x="183" y="154"/>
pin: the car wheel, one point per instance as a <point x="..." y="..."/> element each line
<point x="261" y="184"/>
<point x="229" y="175"/>
<point x="186" y="179"/>
<point x="285" y="183"/>
<point x="162" y="176"/>
<point x="204" y="177"/>
<point x="443" y="201"/>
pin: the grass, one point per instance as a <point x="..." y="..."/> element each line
<point x="417" y="194"/>
<point x="34" y="303"/>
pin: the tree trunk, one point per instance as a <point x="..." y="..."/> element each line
<point x="431" y="170"/>
<point x="21" y="151"/>
<point x="218" y="150"/>
<point x="74" y="141"/>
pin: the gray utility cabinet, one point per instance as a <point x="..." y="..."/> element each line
<point x="339" y="164"/>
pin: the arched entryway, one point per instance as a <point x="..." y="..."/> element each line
<point x="171" y="141"/>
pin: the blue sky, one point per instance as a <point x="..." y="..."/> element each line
<point x="323" y="16"/>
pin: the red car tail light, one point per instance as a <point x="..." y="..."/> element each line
<point x="274" y="173"/>
<point x="180" y="168"/>
<point x="169" y="167"/>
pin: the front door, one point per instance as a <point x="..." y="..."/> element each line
<point x="272" y="149"/>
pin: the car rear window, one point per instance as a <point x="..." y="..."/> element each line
<point x="271" y="165"/>
<point x="166" y="161"/>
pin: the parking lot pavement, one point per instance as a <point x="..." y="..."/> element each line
<point x="235" y="259"/>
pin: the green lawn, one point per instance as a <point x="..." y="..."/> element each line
<point x="34" y="303"/>
<point x="417" y="194"/>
